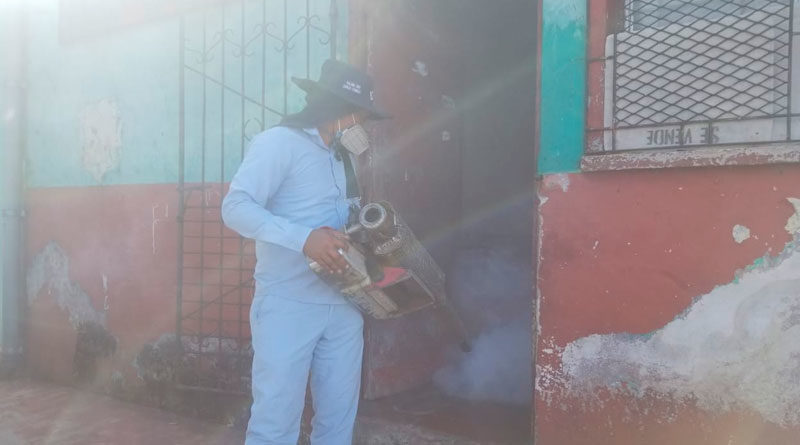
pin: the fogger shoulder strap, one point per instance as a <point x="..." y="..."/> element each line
<point x="353" y="189"/>
<point x="350" y="177"/>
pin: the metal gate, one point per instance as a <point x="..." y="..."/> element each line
<point x="236" y="62"/>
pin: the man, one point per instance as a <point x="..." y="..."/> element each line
<point x="293" y="194"/>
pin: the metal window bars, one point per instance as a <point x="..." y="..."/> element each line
<point x="686" y="73"/>
<point x="236" y="59"/>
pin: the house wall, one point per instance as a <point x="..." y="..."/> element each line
<point x="667" y="298"/>
<point x="102" y="170"/>
<point x="3" y="55"/>
<point x="11" y="215"/>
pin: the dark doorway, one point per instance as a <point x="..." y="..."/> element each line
<point x="458" y="161"/>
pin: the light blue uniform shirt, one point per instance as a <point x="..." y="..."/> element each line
<point x="289" y="184"/>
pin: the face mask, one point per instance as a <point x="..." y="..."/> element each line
<point x="354" y="139"/>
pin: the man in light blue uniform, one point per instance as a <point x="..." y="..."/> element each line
<point x="293" y="194"/>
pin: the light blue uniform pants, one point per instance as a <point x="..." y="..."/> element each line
<point x="289" y="339"/>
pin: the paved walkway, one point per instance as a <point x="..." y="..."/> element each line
<point x="41" y="413"/>
<point x="33" y="412"/>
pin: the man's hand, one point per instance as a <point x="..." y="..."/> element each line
<point x="323" y="246"/>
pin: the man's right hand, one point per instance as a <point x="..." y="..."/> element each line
<point x="323" y="246"/>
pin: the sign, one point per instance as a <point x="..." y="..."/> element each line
<point x="661" y="137"/>
<point x="750" y="131"/>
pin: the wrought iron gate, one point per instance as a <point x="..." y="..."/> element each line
<point x="236" y="61"/>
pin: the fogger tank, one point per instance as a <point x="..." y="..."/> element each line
<point x="391" y="274"/>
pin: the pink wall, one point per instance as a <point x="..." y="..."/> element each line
<point x="93" y="253"/>
<point x="628" y="252"/>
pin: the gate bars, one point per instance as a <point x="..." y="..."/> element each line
<point x="235" y="59"/>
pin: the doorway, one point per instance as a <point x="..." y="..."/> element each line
<point x="458" y="162"/>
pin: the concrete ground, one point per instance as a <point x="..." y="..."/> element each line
<point x="41" y="413"/>
<point x="425" y="416"/>
<point x="33" y="412"/>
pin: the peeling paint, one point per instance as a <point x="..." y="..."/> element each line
<point x="595" y="145"/>
<point x="537" y="321"/>
<point x="734" y="349"/>
<point x="106" y="306"/>
<point x="543" y="200"/>
<point x="212" y="198"/>
<point x="560" y="180"/>
<point x="793" y="225"/>
<point x="448" y="102"/>
<point x="160" y="213"/>
<point x="49" y="271"/>
<point x="741" y="233"/>
<point x="101" y="138"/>
<point x="420" y="68"/>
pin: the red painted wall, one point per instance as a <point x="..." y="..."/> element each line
<point x="128" y="235"/>
<point x="627" y="252"/>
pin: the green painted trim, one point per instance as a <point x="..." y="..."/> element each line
<point x="563" y="85"/>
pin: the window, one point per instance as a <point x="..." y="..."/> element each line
<point x="660" y="13"/>
<point x="692" y="73"/>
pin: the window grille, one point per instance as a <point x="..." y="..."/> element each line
<point x="685" y="73"/>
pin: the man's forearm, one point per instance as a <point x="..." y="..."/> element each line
<point x="249" y="219"/>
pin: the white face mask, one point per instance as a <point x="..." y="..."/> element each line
<point x="354" y="139"/>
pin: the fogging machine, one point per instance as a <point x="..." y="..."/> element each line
<point x="391" y="274"/>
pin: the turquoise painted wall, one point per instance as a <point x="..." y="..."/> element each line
<point x="135" y="69"/>
<point x="121" y="90"/>
<point x="563" y="85"/>
<point x="5" y="16"/>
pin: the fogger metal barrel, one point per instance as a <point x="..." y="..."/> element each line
<point x="394" y="245"/>
<point x="391" y="274"/>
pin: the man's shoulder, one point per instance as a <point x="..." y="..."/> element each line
<point x="277" y="134"/>
<point x="278" y="139"/>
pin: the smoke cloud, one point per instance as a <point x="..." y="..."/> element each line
<point x="492" y="290"/>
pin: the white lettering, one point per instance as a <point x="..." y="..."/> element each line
<point x="352" y="86"/>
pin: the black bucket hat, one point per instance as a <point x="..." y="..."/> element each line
<point x="347" y="83"/>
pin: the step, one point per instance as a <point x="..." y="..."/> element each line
<point x="426" y="416"/>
